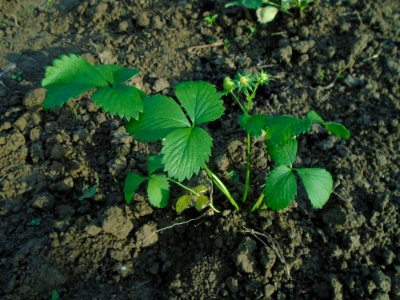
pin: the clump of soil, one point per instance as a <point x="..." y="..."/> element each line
<point x="341" y="58"/>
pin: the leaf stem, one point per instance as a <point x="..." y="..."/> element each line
<point x="238" y="102"/>
<point x="248" y="169"/>
<point x="251" y="97"/>
<point x="258" y="203"/>
<point x="184" y="187"/>
<point x="221" y="187"/>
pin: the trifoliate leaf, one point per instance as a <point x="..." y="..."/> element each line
<point x="318" y="184"/>
<point x="154" y="163"/>
<point x="131" y="184"/>
<point x="279" y="129"/>
<point x="266" y="14"/>
<point x="185" y="151"/>
<point x="280" y="188"/>
<point x="183" y="203"/>
<point x="201" y="101"/>
<point x="122" y="100"/>
<point x="158" y="190"/>
<point x="337" y="129"/>
<point x="201" y="202"/>
<point x="314" y="117"/>
<point x="69" y="77"/>
<point x="116" y="74"/>
<point x="284" y="154"/>
<point x="161" y="115"/>
<point x="252" y="124"/>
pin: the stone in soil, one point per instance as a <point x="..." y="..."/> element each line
<point x="115" y="222"/>
<point x="243" y="257"/>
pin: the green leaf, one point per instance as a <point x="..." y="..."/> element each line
<point x="280" y="188"/>
<point x="161" y="115"/>
<point x="88" y="193"/>
<point x="252" y="4"/>
<point x="132" y="182"/>
<point x="337" y="129"/>
<point x="333" y="127"/>
<point x="185" y="151"/>
<point x="318" y="184"/>
<point x="314" y="117"/>
<point x="201" y="101"/>
<point x="252" y="124"/>
<point x="122" y="100"/>
<point x="55" y="295"/>
<point x="183" y="203"/>
<point x="115" y="74"/>
<point x="201" y="202"/>
<point x="158" y="190"/>
<point x="69" y="77"/>
<point x="154" y="163"/>
<point x="284" y="154"/>
<point x="279" y="129"/>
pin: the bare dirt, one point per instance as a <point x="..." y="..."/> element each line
<point x="341" y="58"/>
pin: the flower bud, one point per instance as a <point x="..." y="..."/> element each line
<point x="263" y="77"/>
<point x="229" y="85"/>
<point x="244" y="80"/>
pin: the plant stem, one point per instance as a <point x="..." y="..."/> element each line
<point x="248" y="168"/>
<point x="258" y="203"/>
<point x="238" y="102"/>
<point x="184" y="187"/>
<point x="221" y="187"/>
<point x="251" y="97"/>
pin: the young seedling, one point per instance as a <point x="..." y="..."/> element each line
<point x="210" y="20"/>
<point x="281" y="134"/>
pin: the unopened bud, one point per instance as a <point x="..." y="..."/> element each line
<point x="263" y="77"/>
<point x="229" y="85"/>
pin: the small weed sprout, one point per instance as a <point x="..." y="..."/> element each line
<point x="180" y="125"/>
<point x="210" y="20"/>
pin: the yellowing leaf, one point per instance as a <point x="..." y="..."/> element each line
<point x="183" y="203"/>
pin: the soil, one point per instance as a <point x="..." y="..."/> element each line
<point x="341" y="58"/>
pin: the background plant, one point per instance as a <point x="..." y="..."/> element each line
<point x="266" y="10"/>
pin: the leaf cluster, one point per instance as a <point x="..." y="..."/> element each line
<point x="281" y="134"/>
<point x="186" y="145"/>
<point x="180" y="124"/>
<point x="157" y="183"/>
<point x="195" y="198"/>
<point x="71" y="76"/>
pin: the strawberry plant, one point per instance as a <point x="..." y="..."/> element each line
<point x="281" y="134"/>
<point x="181" y="125"/>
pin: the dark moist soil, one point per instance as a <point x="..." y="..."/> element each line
<point x="341" y="58"/>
